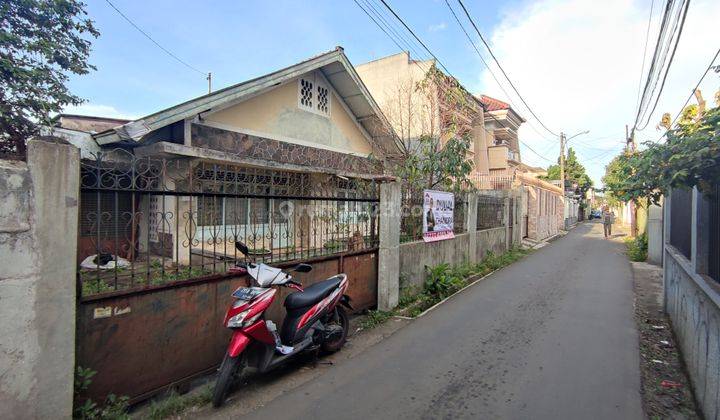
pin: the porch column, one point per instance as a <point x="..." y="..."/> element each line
<point x="389" y="249"/>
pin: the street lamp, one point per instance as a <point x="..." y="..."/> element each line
<point x="563" y="141"/>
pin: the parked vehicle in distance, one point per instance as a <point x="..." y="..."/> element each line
<point x="595" y="214"/>
<point x="314" y="320"/>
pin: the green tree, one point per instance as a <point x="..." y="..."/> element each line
<point x="690" y="157"/>
<point x="574" y="172"/>
<point x="41" y="41"/>
<point x="438" y="158"/>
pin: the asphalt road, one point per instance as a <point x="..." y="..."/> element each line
<point x="549" y="337"/>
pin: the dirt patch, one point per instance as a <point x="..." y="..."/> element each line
<point x="665" y="385"/>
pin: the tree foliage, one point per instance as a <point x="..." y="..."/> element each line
<point x="690" y="157"/>
<point x="41" y="41"/>
<point x="438" y="157"/>
<point x="574" y="172"/>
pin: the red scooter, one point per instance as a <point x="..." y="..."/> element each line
<point x="314" y="321"/>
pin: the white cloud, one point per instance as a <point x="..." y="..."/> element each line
<point x="98" y="110"/>
<point x="577" y="63"/>
<point x="437" y="27"/>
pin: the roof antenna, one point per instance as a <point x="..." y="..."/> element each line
<point x="209" y="79"/>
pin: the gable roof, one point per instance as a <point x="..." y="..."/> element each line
<point x="333" y="64"/>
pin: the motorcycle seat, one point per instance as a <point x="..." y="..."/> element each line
<point x="312" y="294"/>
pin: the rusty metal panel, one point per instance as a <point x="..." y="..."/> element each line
<point x="141" y="342"/>
<point x="362" y="274"/>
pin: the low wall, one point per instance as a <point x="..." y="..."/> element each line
<point x="693" y="304"/>
<point x="415" y="256"/>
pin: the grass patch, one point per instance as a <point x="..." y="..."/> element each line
<point x="637" y="248"/>
<point x="441" y="281"/>
<point x="375" y="318"/>
<point x="176" y="404"/>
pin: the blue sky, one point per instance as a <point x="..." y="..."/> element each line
<point x="577" y="62"/>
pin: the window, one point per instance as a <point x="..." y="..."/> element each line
<point x="314" y="96"/>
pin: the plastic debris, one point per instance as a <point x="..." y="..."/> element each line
<point x="660" y="362"/>
<point x="658" y="327"/>
<point x="665" y="343"/>
<point x="670" y="384"/>
<point x="104" y="262"/>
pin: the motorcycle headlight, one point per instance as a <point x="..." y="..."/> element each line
<point x="239" y="321"/>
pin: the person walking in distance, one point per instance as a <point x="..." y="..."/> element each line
<point x="608" y="218"/>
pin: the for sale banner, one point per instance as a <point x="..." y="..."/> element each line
<point x="438" y="207"/>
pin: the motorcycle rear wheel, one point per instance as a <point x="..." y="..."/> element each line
<point x="228" y="369"/>
<point x="341" y="318"/>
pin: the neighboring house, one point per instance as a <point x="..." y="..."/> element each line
<point x="503" y="147"/>
<point x="243" y="162"/>
<point x="393" y="81"/>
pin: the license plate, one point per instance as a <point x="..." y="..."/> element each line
<point x="248" y="293"/>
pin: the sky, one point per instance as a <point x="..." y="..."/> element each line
<point x="576" y="62"/>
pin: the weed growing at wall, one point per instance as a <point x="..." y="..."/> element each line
<point x="442" y="281"/>
<point x="175" y="404"/>
<point x="637" y="248"/>
<point x="114" y="408"/>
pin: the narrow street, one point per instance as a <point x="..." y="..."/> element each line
<point x="551" y="336"/>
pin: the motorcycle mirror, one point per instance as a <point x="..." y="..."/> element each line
<point x="242" y="248"/>
<point x="303" y="268"/>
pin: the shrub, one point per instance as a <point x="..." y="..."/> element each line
<point x="637" y="248"/>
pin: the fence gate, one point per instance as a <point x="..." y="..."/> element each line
<point x="157" y="238"/>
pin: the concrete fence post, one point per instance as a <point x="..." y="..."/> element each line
<point x="389" y="249"/>
<point x="37" y="282"/>
<point x="506" y="222"/>
<point x="655" y="234"/>
<point x="471" y="225"/>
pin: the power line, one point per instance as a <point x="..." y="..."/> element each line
<point x="168" y="52"/>
<point x="691" y="94"/>
<point x="414" y="36"/>
<point x="501" y="69"/>
<point x="455" y="94"/>
<point x="658" y="72"/>
<point x="482" y="59"/>
<point x="647" y="36"/>
<point x="672" y="56"/>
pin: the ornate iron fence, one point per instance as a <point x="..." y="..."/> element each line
<point x="490" y="211"/>
<point x="150" y="221"/>
<point x="411" y="219"/>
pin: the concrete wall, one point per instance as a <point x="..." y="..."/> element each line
<point x="38" y="219"/>
<point x="276" y="114"/>
<point x="415" y="256"/>
<point x="693" y="304"/>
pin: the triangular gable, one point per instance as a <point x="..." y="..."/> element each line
<point x="306" y="110"/>
<point x="334" y="67"/>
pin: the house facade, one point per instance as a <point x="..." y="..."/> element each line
<point x="288" y="163"/>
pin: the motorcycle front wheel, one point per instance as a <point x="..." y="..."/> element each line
<point x="228" y="370"/>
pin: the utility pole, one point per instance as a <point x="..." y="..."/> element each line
<point x="562" y="163"/>
<point x="209" y="79"/>
<point x="630" y="149"/>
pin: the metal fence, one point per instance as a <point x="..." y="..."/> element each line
<point x="714" y="243"/>
<point x="148" y="221"/>
<point x="411" y="219"/>
<point x="490" y="212"/>
<point x="680" y="220"/>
